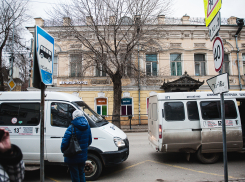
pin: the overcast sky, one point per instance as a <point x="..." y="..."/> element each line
<point x="193" y="8"/>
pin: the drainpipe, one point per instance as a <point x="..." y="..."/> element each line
<point x="240" y="23"/>
<point x="238" y="64"/>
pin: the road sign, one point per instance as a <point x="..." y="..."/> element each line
<point x="214" y="26"/>
<point x="11" y="84"/>
<point x="219" y="84"/>
<point x="45" y="55"/>
<point x="211" y="8"/>
<point x="218" y="52"/>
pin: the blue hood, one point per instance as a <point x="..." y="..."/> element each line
<point x="80" y="123"/>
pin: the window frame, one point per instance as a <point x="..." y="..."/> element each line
<point x="96" y="106"/>
<point x="198" y="62"/>
<point x="126" y="115"/>
<point x="148" y="62"/>
<point x="176" y="64"/>
<point x="76" y="65"/>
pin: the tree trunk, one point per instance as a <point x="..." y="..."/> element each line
<point x="117" y="95"/>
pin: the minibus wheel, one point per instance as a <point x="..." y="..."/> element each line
<point x="93" y="167"/>
<point x="207" y="158"/>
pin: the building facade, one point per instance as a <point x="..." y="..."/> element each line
<point x="178" y="57"/>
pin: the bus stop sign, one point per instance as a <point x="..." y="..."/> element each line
<point x="45" y="54"/>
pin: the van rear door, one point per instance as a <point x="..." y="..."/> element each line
<point x="211" y="123"/>
<point x="153" y="122"/>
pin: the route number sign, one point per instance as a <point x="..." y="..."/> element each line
<point x="218" y="52"/>
<point x="211" y="8"/>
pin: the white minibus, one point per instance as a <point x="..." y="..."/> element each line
<point x="20" y="115"/>
<point x="190" y="122"/>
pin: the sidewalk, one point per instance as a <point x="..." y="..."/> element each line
<point x="135" y="128"/>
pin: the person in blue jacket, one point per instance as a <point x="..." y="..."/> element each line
<point x="76" y="163"/>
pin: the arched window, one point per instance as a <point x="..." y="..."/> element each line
<point x="101" y="106"/>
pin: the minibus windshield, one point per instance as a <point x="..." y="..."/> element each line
<point x="88" y="111"/>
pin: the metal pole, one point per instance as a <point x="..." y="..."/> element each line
<point x="224" y="137"/>
<point x="42" y="133"/>
<point x="139" y="82"/>
<point x="238" y="64"/>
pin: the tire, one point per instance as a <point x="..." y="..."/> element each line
<point x="207" y="158"/>
<point x="93" y="167"/>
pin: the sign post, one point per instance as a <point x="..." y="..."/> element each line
<point x="42" y="76"/>
<point x="218" y="84"/>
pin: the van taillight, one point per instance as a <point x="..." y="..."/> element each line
<point x="160" y="131"/>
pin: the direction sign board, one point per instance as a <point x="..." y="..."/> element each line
<point x="214" y="26"/>
<point x="45" y="55"/>
<point x="219" y="84"/>
<point x="218" y="52"/>
<point x="211" y="8"/>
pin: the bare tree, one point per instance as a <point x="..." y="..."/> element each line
<point x="110" y="31"/>
<point x="12" y="16"/>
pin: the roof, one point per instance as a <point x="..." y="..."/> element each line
<point x="36" y="95"/>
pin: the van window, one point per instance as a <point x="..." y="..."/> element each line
<point x="26" y="114"/>
<point x="174" y="111"/>
<point x="212" y="110"/>
<point x="61" y="114"/>
<point x="149" y="111"/>
<point x="192" y="110"/>
<point x="154" y="111"/>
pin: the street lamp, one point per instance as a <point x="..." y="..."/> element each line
<point x="240" y="23"/>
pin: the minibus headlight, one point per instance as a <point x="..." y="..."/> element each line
<point x="119" y="142"/>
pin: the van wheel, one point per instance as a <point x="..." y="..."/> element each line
<point x="207" y="158"/>
<point x="93" y="167"/>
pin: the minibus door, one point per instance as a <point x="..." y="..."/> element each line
<point x="59" y="117"/>
<point x="153" y="124"/>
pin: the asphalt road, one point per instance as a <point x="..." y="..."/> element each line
<point x="144" y="164"/>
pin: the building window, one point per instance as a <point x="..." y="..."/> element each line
<point x="199" y="64"/>
<point x="55" y="66"/>
<point x="175" y="61"/>
<point x="100" y="70"/>
<point x="126" y="106"/>
<point x="101" y="106"/>
<point x="76" y="65"/>
<point x="225" y="66"/>
<point x="243" y="60"/>
<point x="126" y="62"/>
<point x="151" y="64"/>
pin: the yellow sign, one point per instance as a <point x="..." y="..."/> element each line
<point x="11" y="84"/>
<point x="211" y="8"/>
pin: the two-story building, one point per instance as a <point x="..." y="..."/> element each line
<point x="178" y="57"/>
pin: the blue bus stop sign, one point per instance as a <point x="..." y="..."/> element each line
<point x="45" y="55"/>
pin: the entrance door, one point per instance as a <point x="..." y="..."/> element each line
<point x="211" y="123"/>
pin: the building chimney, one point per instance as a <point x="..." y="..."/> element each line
<point x="161" y="19"/>
<point x="89" y="20"/>
<point x="66" y="21"/>
<point x="185" y="19"/>
<point x="232" y="21"/>
<point x="39" y="22"/>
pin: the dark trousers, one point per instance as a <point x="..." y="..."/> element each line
<point x="77" y="172"/>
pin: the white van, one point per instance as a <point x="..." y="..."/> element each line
<point x="190" y="122"/>
<point x="20" y="115"/>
